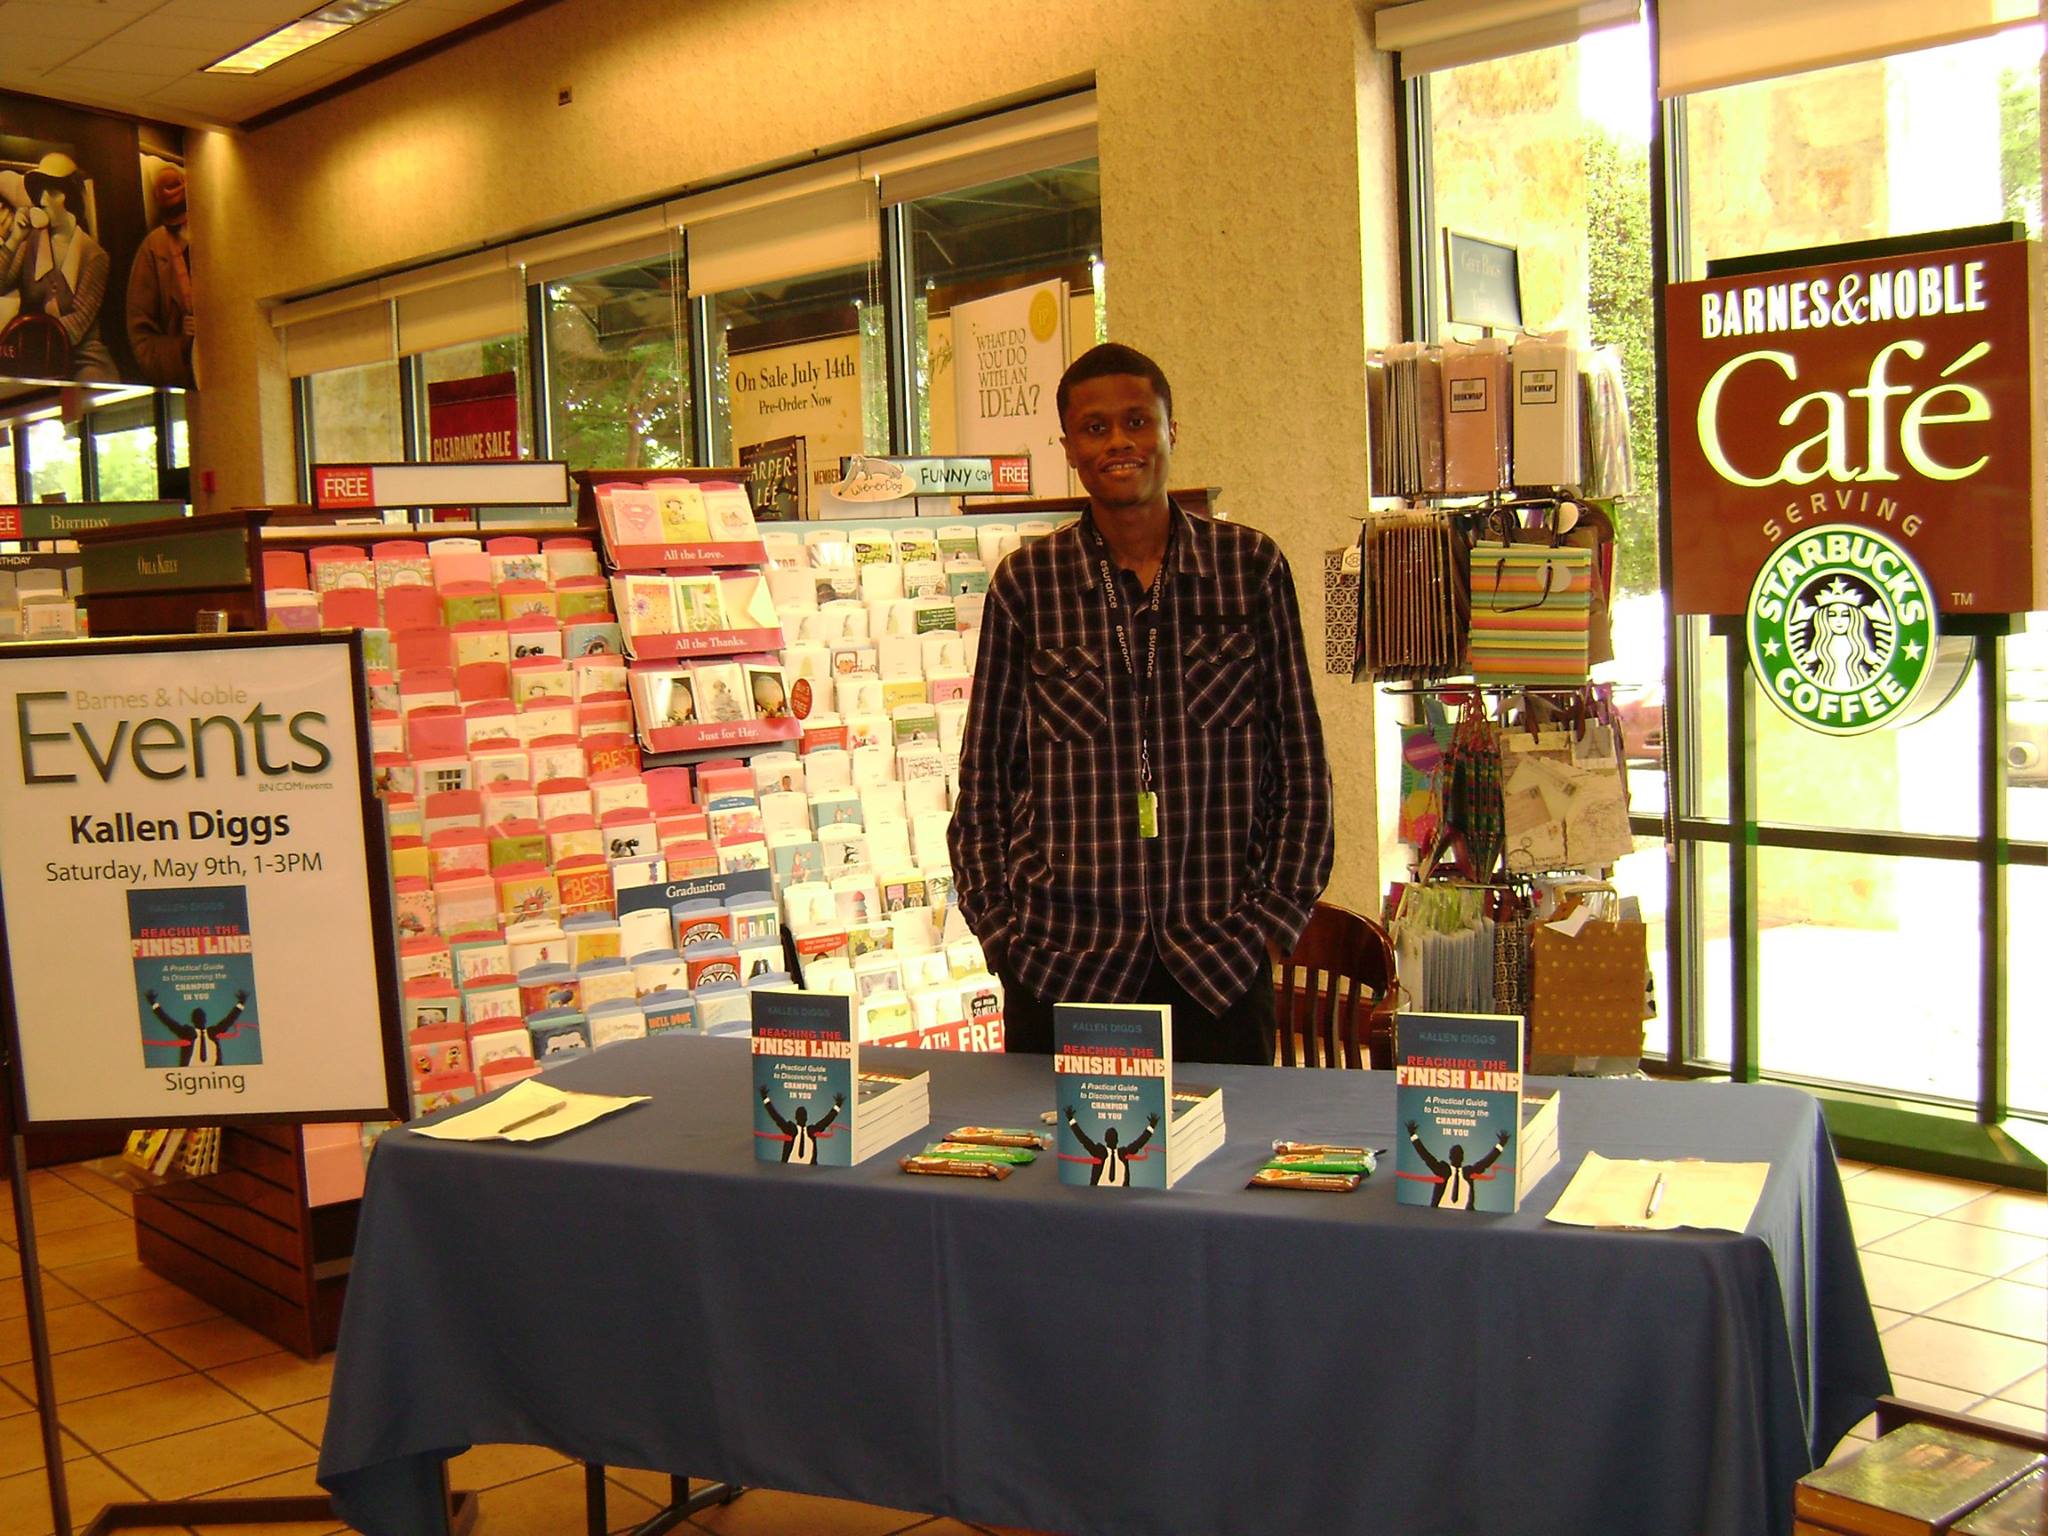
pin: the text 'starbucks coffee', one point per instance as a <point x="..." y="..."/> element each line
<point x="1841" y="631"/>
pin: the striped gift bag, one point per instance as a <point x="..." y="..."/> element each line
<point x="1530" y="605"/>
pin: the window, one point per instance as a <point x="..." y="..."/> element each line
<point x="9" y="490"/>
<point x="56" y="471"/>
<point x="1010" y="235"/>
<point x="478" y="402"/>
<point x="124" y="449"/>
<point x="353" y="416"/>
<point x="180" y="456"/>
<point x="619" y="368"/>
<point x="802" y="358"/>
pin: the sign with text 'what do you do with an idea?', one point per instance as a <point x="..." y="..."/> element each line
<point x="193" y="882"/>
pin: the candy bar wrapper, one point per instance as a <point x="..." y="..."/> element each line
<point x="1292" y="1178"/>
<point x="955" y="1167"/>
<point x="967" y="1153"/>
<point x="997" y="1136"/>
<point x="1326" y="1148"/>
<point x="1324" y="1162"/>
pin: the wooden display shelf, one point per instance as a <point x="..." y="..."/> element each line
<point x="246" y="1240"/>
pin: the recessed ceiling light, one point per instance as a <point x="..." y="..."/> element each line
<point x="297" y="36"/>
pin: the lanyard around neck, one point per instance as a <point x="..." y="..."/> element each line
<point x="1123" y="620"/>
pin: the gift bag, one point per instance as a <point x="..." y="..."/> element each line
<point x="1529" y="612"/>
<point x="1472" y="790"/>
<point x="1586" y="989"/>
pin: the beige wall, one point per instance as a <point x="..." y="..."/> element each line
<point x="1249" y="211"/>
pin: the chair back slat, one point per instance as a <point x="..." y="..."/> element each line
<point x="1335" y="996"/>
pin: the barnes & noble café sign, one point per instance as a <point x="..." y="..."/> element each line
<point x="1855" y="451"/>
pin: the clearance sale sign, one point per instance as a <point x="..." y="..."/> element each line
<point x="1893" y="394"/>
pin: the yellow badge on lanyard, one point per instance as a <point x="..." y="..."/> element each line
<point x="1148" y="813"/>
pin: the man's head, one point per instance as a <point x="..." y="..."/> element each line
<point x="199" y="1018"/>
<point x="802" y="1115"/>
<point x="1109" y="1137"/>
<point x="1457" y="1157"/>
<point x="1116" y="421"/>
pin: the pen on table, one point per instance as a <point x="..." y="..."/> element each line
<point x="1656" y="1196"/>
<point x="542" y="1114"/>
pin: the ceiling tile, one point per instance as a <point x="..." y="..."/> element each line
<point x="206" y="93"/>
<point x="261" y="14"/>
<point x="153" y="59"/>
<point x="31" y="55"/>
<point x="103" y="83"/>
<point x="179" y="31"/>
<point x="41" y="18"/>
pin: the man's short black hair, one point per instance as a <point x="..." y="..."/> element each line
<point x="1108" y="359"/>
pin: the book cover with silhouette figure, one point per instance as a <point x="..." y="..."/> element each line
<point x="1113" y="1067"/>
<point x="195" y="977"/>
<point x="1458" y="1110"/>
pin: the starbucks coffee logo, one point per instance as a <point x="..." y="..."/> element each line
<point x="1841" y="629"/>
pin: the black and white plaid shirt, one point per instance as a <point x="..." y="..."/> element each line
<point x="1051" y="873"/>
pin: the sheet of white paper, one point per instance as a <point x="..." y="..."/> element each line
<point x="1615" y="1192"/>
<point x="527" y="1111"/>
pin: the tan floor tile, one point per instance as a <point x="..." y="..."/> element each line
<point x="87" y="1245"/>
<point x="111" y="1277"/>
<point x="102" y="1368"/>
<point x="651" y="1486"/>
<point x="2001" y="1410"/>
<point x="14" y="1296"/>
<point x="13" y="1402"/>
<point x="1887" y="1318"/>
<point x="2009" y="1210"/>
<point x="1969" y="1358"/>
<point x="170" y="1407"/>
<point x="2002" y="1307"/>
<point x="1959" y="1245"/>
<point x="551" y="1504"/>
<point x="1846" y="1447"/>
<point x="1864" y="1429"/>
<point x="301" y="1528"/>
<point x="765" y="1512"/>
<point x="21" y="1445"/>
<point x="159" y="1307"/>
<point x="1900" y="1190"/>
<point x="2035" y="1273"/>
<point x="1907" y="1286"/>
<point x="70" y="1212"/>
<point x="10" y="1261"/>
<point x="202" y="1460"/>
<point x="1851" y="1168"/>
<point x="2030" y="1393"/>
<point x="1874" y="1221"/>
<point x="277" y="1380"/>
<point x="91" y="1485"/>
<point x="306" y="1420"/>
<point x="216" y="1341"/>
<point x="487" y="1466"/>
<point x="943" y="1527"/>
<point x="299" y="1482"/>
<point x="72" y="1327"/>
<point x="1932" y="1394"/>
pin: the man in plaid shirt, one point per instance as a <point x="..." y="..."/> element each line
<point x="1144" y="806"/>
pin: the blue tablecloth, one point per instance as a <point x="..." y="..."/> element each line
<point x="1205" y="1360"/>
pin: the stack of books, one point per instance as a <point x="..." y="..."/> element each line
<point x="1121" y="1124"/>
<point x="1922" y="1480"/>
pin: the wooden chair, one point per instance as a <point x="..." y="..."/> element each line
<point x="1337" y="988"/>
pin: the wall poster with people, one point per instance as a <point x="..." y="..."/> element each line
<point x="95" y="248"/>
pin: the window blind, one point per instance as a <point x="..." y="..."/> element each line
<point x="1430" y="35"/>
<point x="1705" y="44"/>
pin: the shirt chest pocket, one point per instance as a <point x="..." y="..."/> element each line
<point x="1220" y="678"/>
<point x="1067" y="693"/>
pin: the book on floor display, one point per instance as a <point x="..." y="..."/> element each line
<point x="1919" y="1480"/>
<point x="812" y="1102"/>
<point x="2022" y="1510"/>
<point x="1121" y="1125"/>
<point x="1463" y="1142"/>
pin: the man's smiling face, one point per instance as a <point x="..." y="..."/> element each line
<point x="1118" y="439"/>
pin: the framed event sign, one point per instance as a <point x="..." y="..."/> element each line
<point x="196" y="901"/>
<point x="1889" y="391"/>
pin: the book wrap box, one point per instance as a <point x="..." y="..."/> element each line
<point x="1588" y="991"/>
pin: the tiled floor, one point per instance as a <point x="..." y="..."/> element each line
<point x="161" y="1397"/>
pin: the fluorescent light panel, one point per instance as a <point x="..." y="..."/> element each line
<point x="297" y="36"/>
